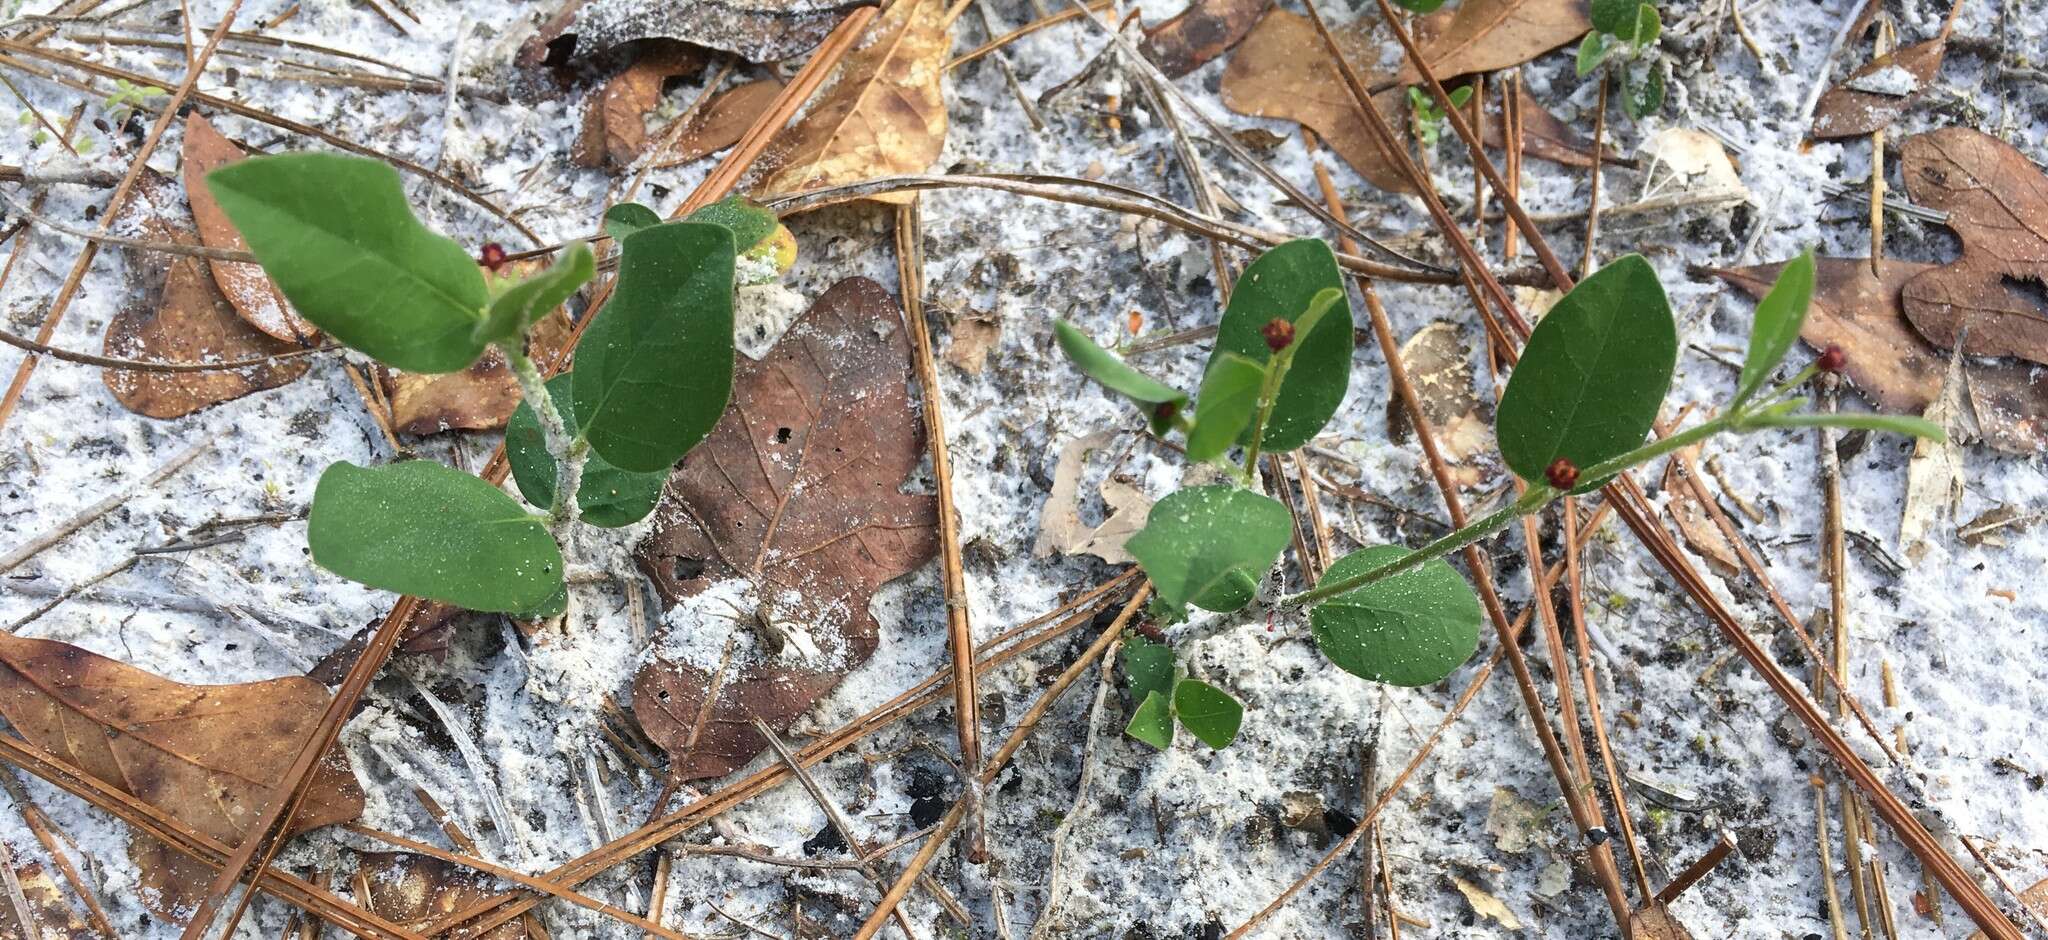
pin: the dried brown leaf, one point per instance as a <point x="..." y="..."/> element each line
<point x="884" y="113"/>
<point x="799" y="491"/>
<point x="1486" y="905"/>
<point x="479" y="398"/>
<point x="208" y="755"/>
<point x="1870" y="99"/>
<point x="1997" y="203"/>
<point x="1282" y="71"/>
<point x="1440" y="368"/>
<point x="720" y="123"/>
<point x="1060" y="527"/>
<point x="972" y="337"/>
<point x="1695" y="525"/>
<point x="1656" y="923"/>
<point x="180" y="315"/>
<point x="1487" y="35"/>
<point x="245" y="285"/>
<point x="55" y="918"/>
<point x="755" y="30"/>
<point x="1544" y="135"/>
<point x="1893" y="367"/>
<point x="413" y="891"/>
<point x="1204" y="30"/>
<point x="2035" y="899"/>
<point x="615" y="125"/>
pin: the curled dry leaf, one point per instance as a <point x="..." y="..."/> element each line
<point x="1874" y="96"/>
<point x="1682" y="159"/>
<point x="1282" y="71"/>
<point x="885" y="112"/>
<point x="1486" y="905"/>
<point x="1694" y="524"/>
<point x="1203" y="31"/>
<point x="720" y="123"/>
<point x="798" y="493"/>
<point x="1487" y="35"/>
<point x="413" y="891"/>
<point x="615" y="125"/>
<point x="755" y="30"/>
<point x="179" y="315"/>
<point x="1440" y="367"/>
<point x="1997" y="202"/>
<point x="479" y="398"/>
<point x="2035" y="899"/>
<point x="245" y="285"/>
<point x="1060" y="528"/>
<point x="1935" y="476"/>
<point x="208" y="755"/>
<point x="1892" y="366"/>
<point x="1544" y="135"/>
<point x="55" y="918"/>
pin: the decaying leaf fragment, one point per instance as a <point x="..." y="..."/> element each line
<point x="755" y="30"/>
<point x="1203" y="31"/>
<point x="479" y="398"/>
<point x="885" y="112"/>
<point x="1892" y="366"/>
<point x="1997" y="203"/>
<point x="1060" y="528"/>
<point x="208" y="755"/>
<point x="244" y="284"/>
<point x="1440" y="368"/>
<point x="1545" y="136"/>
<point x="179" y="315"/>
<point x="1656" y="923"/>
<point x="1486" y="905"/>
<point x="1872" y="97"/>
<point x="1934" y="476"/>
<point x="615" y="124"/>
<point x="1486" y="35"/>
<point x="55" y="918"/>
<point x="798" y="494"/>
<point x="1282" y="70"/>
<point x="413" y="891"/>
<point x="1694" y="524"/>
<point x="720" y="123"/>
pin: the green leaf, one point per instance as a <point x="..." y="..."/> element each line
<point x="1896" y="424"/>
<point x="608" y="496"/>
<point x="749" y="221"/>
<point x="1152" y="723"/>
<point x="1593" y="374"/>
<point x="1281" y="284"/>
<point x="1230" y="399"/>
<point x="424" y="529"/>
<point x="1646" y="28"/>
<point x="1644" y="98"/>
<point x="654" y="369"/>
<point x="1778" y="319"/>
<point x="1411" y="629"/>
<point x="628" y="217"/>
<point x="1421" y="6"/>
<point x="1461" y="95"/>
<point x="1112" y="373"/>
<point x="1593" y="50"/>
<point x="1210" y="546"/>
<point x="1149" y="666"/>
<point x="336" y="236"/>
<point x="1209" y="713"/>
<point x="1615" y="17"/>
<point x="526" y="302"/>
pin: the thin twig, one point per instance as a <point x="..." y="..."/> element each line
<point x="106" y="504"/>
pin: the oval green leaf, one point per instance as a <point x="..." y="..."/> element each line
<point x="1112" y="373"/>
<point x="1593" y="374"/>
<point x="523" y="304"/>
<point x="749" y="221"/>
<point x="1210" y="546"/>
<point x="424" y="529"/>
<point x="1230" y="398"/>
<point x="1148" y="666"/>
<point x="1614" y="17"/>
<point x="1411" y="629"/>
<point x="1209" y="713"/>
<point x="336" y="236"/>
<point x="1778" y="318"/>
<point x="1281" y="284"/>
<point x="608" y="496"/>
<point x="654" y="369"/>
<point x="628" y="217"/>
<point x="1152" y="723"/>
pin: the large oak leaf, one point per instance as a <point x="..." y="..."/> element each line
<point x="243" y="283"/>
<point x="1282" y="70"/>
<point x="799" y="492"/>
<point x="1997" y="202"/>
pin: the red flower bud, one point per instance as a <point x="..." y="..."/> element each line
<point x="1165" y="411"/>
<point x="1832" y="359"/>
<point x="1562" y="473"/>
<point x="1150" y="630"/>
<point x="1279" y="334"/>
<point x="493" y="257"/>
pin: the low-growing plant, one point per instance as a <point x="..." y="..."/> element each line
<point x="1627" y="29"/>
<point x="592" y="445"/>
<point x="1429" y="119"/>
<point x="1577" y="411"/>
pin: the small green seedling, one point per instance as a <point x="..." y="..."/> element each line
<point x="1429" y="120"/>
<point x="128" y="98"/>
<point x="652" y="374"/>
<point x="1576" y="413"/>
<point x="1420" y="6"/>
<point x="1630" y="27"/>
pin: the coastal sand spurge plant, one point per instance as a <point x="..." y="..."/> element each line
<point x="593" y="445"/>
<point x="1577" y="411"/>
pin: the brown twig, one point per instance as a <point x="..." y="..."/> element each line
<point x="1027" y="29"/>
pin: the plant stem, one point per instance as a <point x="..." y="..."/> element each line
<point x="1536" y="497"/>
<point x="1276" y="372"/>
<point x="569" y="453"/>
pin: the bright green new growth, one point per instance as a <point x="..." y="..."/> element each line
<point x="335" y="235"/>
<point x="1633" y="25"/>
<point x="1209" y="713"/>
<point x="1112" y="373"/>
<point x="422" y="528"/>
<point x="1778" y="318"/>
<point x="1429" y="119"/>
